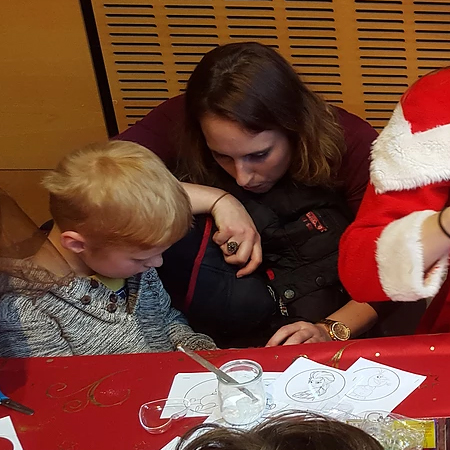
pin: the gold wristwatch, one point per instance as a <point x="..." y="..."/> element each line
<point x="338" y="331"/>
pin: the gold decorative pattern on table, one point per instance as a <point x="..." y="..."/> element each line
<point x="87" y="395"/>
<point x="336" y="358"/>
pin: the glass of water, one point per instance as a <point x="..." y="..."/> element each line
<point x="244" y="401"/>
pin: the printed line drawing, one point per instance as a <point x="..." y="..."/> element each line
<point x="373" y="384"/>
<point x="200" y="389"/>
<point x="315" y="385"/>
<point x="201" y="402"/>
<point x="270" y="401"/>
<point x="268" y="380"/>
<point x="267" y="414"/>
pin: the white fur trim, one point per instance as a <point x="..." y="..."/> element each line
<point x="399" y="258"/>
<point x="403" y="160"/>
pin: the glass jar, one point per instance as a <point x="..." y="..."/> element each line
<point x="244" y="401"/>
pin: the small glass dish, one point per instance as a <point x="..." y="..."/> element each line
<point x="157" y="416"/>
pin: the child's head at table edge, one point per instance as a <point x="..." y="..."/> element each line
<point x="288" y="431"/>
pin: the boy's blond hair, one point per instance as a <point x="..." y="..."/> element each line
<point x="118" y="193"/>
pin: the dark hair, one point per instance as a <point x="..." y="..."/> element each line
<point x="291" y="431"/>
<point x="253" y="85"/>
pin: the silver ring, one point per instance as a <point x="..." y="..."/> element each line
<point x="232" y="247"/>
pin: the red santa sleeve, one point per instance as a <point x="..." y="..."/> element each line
<point x="381" y="257"/>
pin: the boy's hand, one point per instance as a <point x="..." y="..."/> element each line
<point x="299" y="333"/>
<point x="235" y="225"/>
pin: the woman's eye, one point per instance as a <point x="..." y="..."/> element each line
<point x="220" y="156"/>
<point x="260" y="155"/>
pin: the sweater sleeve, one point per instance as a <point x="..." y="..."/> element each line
<point x="381" y="257"/>
<point x="354" y="172"/>
<point x="27" y="331"/>
<point x="159" y="130"/>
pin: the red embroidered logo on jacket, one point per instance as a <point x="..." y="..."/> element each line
<point x="312" y="221"/>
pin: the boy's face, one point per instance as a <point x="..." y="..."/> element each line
<point x="122" y="262"/>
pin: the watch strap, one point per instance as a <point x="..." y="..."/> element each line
<point x="331" y="324"/>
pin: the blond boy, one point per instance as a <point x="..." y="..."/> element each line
<point x="116" y="209"/>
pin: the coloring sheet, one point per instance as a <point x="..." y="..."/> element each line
<point x="309" y="386"/>
<point x="271" y="409"/>
<point x="172" y="444"/>
<point x="201" y="391"/>
<point x="377" y="387"/>
<point x="8" y="433"/>
<point x="367" y="388"/>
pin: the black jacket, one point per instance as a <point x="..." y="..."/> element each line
<point x="300" y="228"/>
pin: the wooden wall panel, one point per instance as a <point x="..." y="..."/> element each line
<point x="24" y="186"/>
<point x="49" y="101"/>
<point x="361" y="54"/>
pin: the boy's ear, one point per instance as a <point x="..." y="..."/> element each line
<point x="73" y="241"/>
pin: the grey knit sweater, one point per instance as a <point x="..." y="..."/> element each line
<point x="87" y="318"/>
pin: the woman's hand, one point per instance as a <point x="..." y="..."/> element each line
<point x="233" y="222"/>
<point x="299" y="333"/>
<point x="235" y="225"/>
<point x="359" y="317"/>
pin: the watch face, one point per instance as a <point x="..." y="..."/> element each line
<point x="341" y="331"/>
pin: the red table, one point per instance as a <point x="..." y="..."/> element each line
<point x="92" y="402"/>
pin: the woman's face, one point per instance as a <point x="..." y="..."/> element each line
<point x="255" y="161"/>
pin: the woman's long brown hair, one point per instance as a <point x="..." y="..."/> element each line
<point x="254" y="86"/>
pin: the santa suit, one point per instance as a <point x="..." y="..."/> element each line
<point x="381" y="255"/>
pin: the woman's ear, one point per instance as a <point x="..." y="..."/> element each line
<point x="73" y="241"/>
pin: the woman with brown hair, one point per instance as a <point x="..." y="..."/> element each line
<point x="253" y="129"/>
<point x="255" y="88"/>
